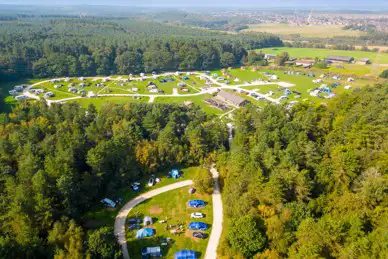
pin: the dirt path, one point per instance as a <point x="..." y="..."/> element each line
<point x="119" y="228"/>
<point x="211" y="250"/>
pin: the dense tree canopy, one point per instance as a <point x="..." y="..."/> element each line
<point x="315" y="177"/>
<point x="57" y="161"/>
<point x="68" y="46"/>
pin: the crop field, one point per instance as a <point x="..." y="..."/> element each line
<point x="172" y="206"/>
<point x="379" y="58"/>
<point x="321" y="31"/>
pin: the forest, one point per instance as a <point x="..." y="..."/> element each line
<point x="45" y="47"/>
<point x="310" y="182"/>
<point x="57" y="162"/>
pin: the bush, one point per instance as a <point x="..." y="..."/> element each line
<point x="384" y="74"/>
<point x="321" y="65"/>
<point x="203" y="180"/>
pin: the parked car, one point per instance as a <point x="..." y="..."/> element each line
<point x="118" y="200"/>
<point x="197" y="215"/>
<point x="135" y="186"/>
<point x="134" y="226"/>
<point x="196" y="203"/>
<point x="108" y="203"/>
<point x="199" y="235"/>
<point x="151" y="182"/>
<point x="198" y="226"/>
<point x="134" y="221"/>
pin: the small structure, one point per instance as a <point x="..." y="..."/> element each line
<point x="350" y="79"/>
<point x="192" y="190"/>
<point x="13" y="92"/>
<point x="185" y="254"/>
<point x="147" y="252"/>
<point x="134" y="89"/>
<point x="142" y="74"/>
<point x="364" y="61"/>
<point x="147" y="220"/>
<point x="287" y="92"/>
<point x="188" y="103"/>
<point x="348" y="87"/>
<point x="181" y="84"/>
<point x="175" y="173"/>
<point x="198" y="226"/>
<point x="196" y="203"/>
<point x="306" y="63"/>
<point x="274" y="77"/>
<point x="231" y="98"/>
<point x="339" y="59"/>
<point x="145" y="232"/>
<point x="49" y="94"/>
<point x="81" y="78"/>
<point x="20" y="97"/>
<point x="67" y="79"/>
<point x="269" y="56"/>
<point x="18" y="88"/>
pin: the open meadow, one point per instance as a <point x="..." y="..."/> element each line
<point x="304" y="30"/>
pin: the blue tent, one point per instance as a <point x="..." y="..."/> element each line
<point x="198" y="226"/>
<point x="287" y="92"/>
<point x="196" y="203"/>
<point x="145" y="232"/>
<point x="185" y="254"/>
<point x="185" y="78"/>
<point x="175" y="173"/>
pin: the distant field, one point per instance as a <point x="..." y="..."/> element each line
<point x="380" y="58"/>
<point x="322" y="31"/>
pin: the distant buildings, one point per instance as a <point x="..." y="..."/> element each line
<point x="339" y="59"/>
<point x="363" y="61"/>
<point x="306" y="63"/>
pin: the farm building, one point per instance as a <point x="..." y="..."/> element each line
<point x="231" y="98"/>
<point x="304" y="63"/>
<point x="363" y="61"/>
<point x="269" y="56"/>
<point x="341" y="59"/>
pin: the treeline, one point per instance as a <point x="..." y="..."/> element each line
<point x="47" y="47"/>
<point x="299" y="44"/>
<point x="308" y="182"/>
<point x="58" y="161"/>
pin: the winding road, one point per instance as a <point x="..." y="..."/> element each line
<point x="211" y="250"/>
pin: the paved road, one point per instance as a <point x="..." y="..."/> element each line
<point x="119" y="227"/>
<point x="211" y="250"/>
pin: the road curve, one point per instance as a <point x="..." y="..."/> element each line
<point x="215" y="235"/>
<point x="119" y="228"/>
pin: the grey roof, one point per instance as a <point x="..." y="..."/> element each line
<point x="364" y="59"/>
<point x="231" y="97"/>
<point x="340" y="58"/>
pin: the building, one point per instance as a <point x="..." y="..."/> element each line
<point x="364" y="61"/>
<point x="269" y="56"/>
<point x="304" y="63"/>
<point x="339" y="59"/>
<point x="231" y="98"/>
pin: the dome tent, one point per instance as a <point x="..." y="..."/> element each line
<point x="185" y="254"/>
<point x="145" y="232"/>
<point x="147" y="220"/>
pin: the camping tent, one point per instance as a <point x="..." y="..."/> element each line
<point x="175" y="173"/>
<point x="192" y="190"/>
<point x="185" y="254"/>
<point x="145" y="232"/>
<point x="198" y="226"/>
<point x="147" y="220"/>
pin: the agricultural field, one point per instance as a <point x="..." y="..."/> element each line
<point x="378" y="58"/>
<point x="99" y="215"/>
<point x="322" y="31"/>
<point x="172" y="206"/>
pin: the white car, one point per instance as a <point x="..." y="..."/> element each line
<point x="197" y="215"/>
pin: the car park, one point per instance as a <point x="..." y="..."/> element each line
<point x="197" y="215"/>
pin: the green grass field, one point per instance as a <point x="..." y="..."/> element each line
<point x="379" y="58"/>
<point x="99" y="215"/>
<point x="173" y="206"/>
<point x="322" y="31"/>
<point x="98" y="102"/>
<point x="198" y="100"/>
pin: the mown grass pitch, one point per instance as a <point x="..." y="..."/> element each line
<point x="172" y="206"/>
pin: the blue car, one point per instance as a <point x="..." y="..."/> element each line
<point x="196" y="203"/>
<point x="198" y="226"/>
